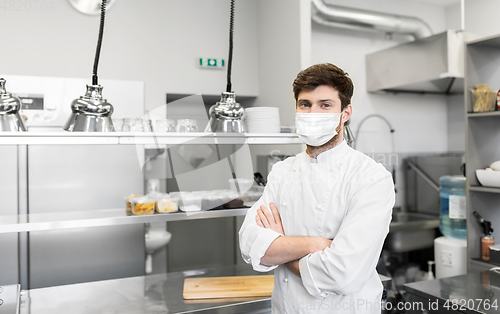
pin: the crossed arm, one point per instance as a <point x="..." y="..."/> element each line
<point x="285" y="249"/>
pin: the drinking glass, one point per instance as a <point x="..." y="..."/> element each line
<point x="165" y="125"/>
<point x="187" y="125"/>
<point x="147" y="125"/>
<point x="138" y="127"/>
<point x="171" y="125"/>
<point x="126" y="126"/>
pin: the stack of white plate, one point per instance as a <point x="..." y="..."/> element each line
<point x="262" y="119"/>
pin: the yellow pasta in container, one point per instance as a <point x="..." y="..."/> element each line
<point x="483" y="98"/>
<point x="128" y="205"/>
<point x="143" y="205"/>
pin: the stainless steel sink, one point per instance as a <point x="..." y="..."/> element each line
<point x="411" y="231"/>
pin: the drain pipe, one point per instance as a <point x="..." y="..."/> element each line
<point x="337" y="16"/>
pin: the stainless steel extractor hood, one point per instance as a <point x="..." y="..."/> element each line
<point x="433" y="65"/>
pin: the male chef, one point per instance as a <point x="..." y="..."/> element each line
<point x="324" y="214"/>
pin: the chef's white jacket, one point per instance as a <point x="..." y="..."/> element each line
<point x="342" y="195"/>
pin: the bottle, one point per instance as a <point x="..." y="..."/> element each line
<point x="430" y="274"/>
<point x="486" y="242"/>
<point x="453" y="218"/>
<point x="422" y="275"/>
<point x="488" y="239"/>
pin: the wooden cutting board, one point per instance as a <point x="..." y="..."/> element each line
<point x="228" y="287"/>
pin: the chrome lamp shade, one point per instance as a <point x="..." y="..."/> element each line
<point x="90" y="113"/>
<point x="10" y="119"/>
<point x="226" y="116"/>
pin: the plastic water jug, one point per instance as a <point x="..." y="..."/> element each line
<point x="453" y="218"/>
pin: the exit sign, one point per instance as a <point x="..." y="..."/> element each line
<point x="211" y="63"/>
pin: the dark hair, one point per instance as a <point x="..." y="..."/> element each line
<point x="325" y="74"/>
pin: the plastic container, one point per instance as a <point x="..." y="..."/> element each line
<point x="167" y="204"/>
<point x="128" y="205"/>
<point x="188" y="201"/>
<point x="483" y="100"/>
<point x="211" y="202"/>
<point x="143" y="205"/>
<point x="453" y="218"/>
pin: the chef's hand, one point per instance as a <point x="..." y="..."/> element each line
<point x="266" y="220"/>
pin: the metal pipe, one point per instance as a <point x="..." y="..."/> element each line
<point x="348" y="135"/>
<point x="322" y="21"/>
<point x="423" y="175"/>
<point x="462" y="15"/>
<point x="332" y="15"/>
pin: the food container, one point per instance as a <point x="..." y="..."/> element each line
<point x="483" y="99"/>
<point x="252" y="196"/>
<point x="188" y="202"/>
<point x="213" y="201"/>
<point x="128" y="205"/>
<point x="167" y="204"/>
<point x="236" y="203"/>
<point x="243" y="184"/>
<point x="228" y="195"/>
<point x="143" y="205"/>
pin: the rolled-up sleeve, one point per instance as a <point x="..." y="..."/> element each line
<point x="255" y="240"/>
<point x="347" y="265"/>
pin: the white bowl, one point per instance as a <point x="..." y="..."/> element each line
<point x="489" y="178"/>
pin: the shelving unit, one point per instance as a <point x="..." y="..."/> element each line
<point x="479" y="262"/>
<point x="100" y="218"/>
<point x="484" y="189"/>
<point x="146" y="138"/>
<point x="482" y="114"/>
<point x="50" y="197"/>
<point x="483" y="138"/>
<point x="108" y="217"/>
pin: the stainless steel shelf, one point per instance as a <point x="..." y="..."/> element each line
<point x="99" y="218"/>
<point x="477" y="188"/>
<point x="145" y="138"/>
<point x="482" y="263"/>
<point x="483" y="114"/>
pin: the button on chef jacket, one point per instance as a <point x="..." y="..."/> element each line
<point x="342" y="195"/>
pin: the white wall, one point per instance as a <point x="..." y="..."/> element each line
<point x="456" y="123"/>
<point x="406" y="112"/>
<point x="284" y="41"/>
<point x="481" y="17"/>
<point x="419" y="121"/>
<point x="157" y="42"/>
<point x="281" y="42"/>
<point x="454" y="16"/>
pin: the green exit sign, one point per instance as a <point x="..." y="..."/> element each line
<point x="211" y="63"/>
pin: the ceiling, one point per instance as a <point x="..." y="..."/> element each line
<point x="440" y="3"/>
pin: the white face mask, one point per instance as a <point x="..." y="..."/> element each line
<point x="315" y="129"/>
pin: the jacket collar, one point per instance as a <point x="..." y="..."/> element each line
<point x="330" y="155"/>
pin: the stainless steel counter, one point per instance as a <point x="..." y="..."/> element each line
<point x="145" y="294"/>
<point x="153" y="294"/>
<point x="474" y="293"/>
